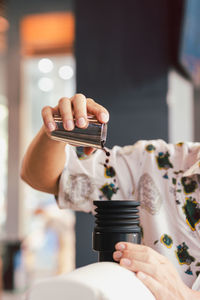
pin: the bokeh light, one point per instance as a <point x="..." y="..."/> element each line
<point x="66" y="72"/>
<point x="45" y="65"/>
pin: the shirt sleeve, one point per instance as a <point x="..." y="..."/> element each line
<point x="98" y="177"/>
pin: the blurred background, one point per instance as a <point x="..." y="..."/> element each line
<point x="140" y="59"/>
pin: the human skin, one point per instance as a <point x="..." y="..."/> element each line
<point x="45" y="158"/>
<point x="155" y="271"/>
<point x="42" y="166"/>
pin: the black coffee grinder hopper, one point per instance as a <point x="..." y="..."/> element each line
<point x="116" y="221"/>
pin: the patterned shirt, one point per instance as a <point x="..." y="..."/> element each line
<point x="165" y="178"/>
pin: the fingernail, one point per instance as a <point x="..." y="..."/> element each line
<point x="69" y="124"/>
<point x="81" y="122"/>
<point x="104" y="117"/>
<point x="117" y="254"/>
<point x="125" y="261"/>
<point x="51" y="126"/>
<point x="120" y="247"/>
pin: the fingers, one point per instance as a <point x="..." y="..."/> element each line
<point x="152" y="275"/>
<point x="140" y="252"/>
<point x="98" y="110"/>
<point x="128" y="260"/>
<point x="83" y="106"/>
<point x="74" y="111"/>
<point x="78" y="107"/>
<point x="65" y="109"/>
<point x="47" y="115"/>
<point x="80" y="110"/>
<point x="153" y="269"/>
<point x="136" y="266"/>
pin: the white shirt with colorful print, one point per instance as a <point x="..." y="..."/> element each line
<point x="165" y="178"/>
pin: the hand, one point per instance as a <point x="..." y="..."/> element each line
<point x="77" y="107"/>
<point x="154" y="270"/>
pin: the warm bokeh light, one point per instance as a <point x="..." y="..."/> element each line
<point x="50" y="33"/>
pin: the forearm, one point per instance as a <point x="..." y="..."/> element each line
<point x="194" y="295"/>
<point x="43" y="163"/>
<point x="45" y="159"/>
